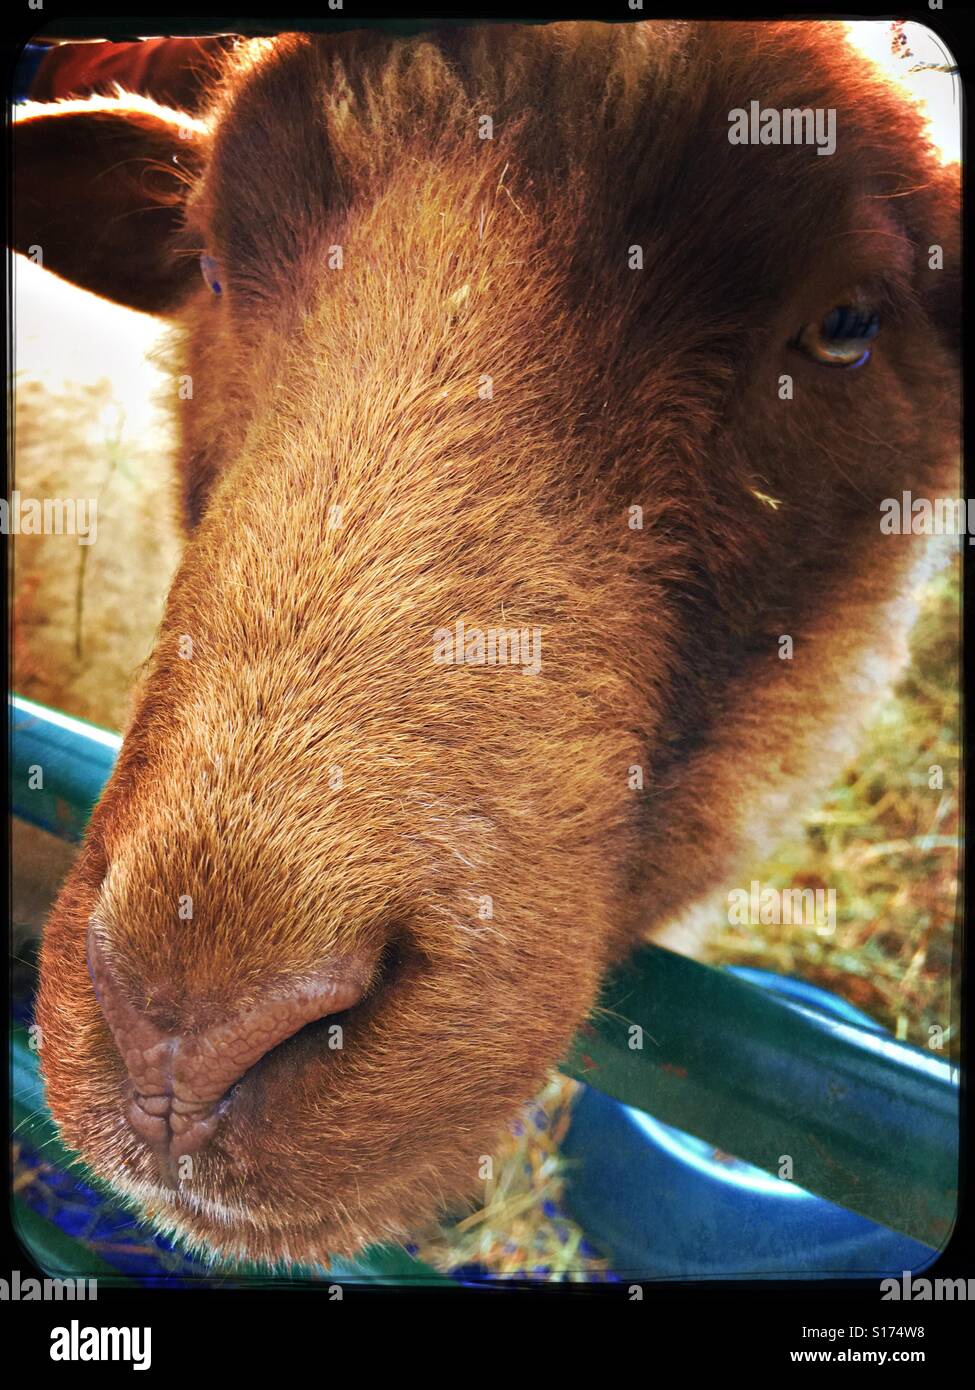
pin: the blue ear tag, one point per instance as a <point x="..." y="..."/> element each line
<point x="211" y="273"/>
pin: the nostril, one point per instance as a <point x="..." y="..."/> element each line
<point x="207" y="1064"/>
<point x="180" y="1079"/>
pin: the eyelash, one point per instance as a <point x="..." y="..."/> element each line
<point x="843" y="337"/>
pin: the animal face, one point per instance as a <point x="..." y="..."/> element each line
<point x="523" y="415"/>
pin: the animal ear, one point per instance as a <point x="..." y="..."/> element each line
<point x="98" y="192"/>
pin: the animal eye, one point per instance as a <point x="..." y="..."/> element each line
<point x="212" y="273"/>
<point x="843" y="337"/>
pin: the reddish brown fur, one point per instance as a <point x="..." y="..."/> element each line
<point x="312" y="647"/>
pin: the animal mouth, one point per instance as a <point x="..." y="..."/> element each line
<point x="173" y="1127"/>
<point x="181" y="1084"/>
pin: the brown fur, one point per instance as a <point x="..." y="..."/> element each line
<point x="312" y="645"/>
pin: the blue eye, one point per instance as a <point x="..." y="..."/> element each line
<point x="212" y="274"/>
<point x="843" y="338"/>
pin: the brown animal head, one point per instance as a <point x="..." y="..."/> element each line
<point x="494" y="332"/>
